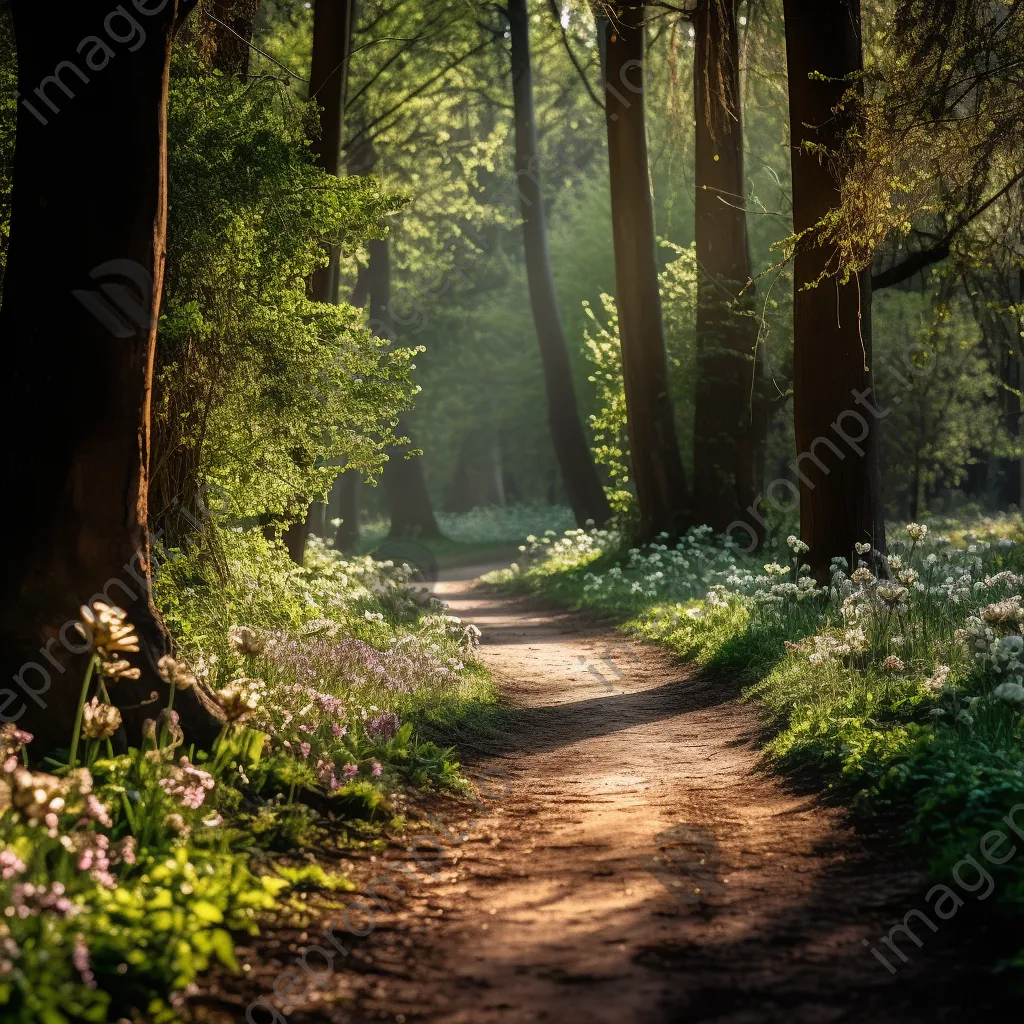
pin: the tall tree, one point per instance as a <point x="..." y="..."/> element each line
<point x="836" y="432"/>
<point x="730" y="417"/>
<point x="328" y="80"/>
<point x="405" y="486"/>
<point x="328" y="84"/>
<point x="660" y="480"/>
<point x="85" y="333"/>
<point x="579" y="473"/>
<point x="230" y="33"/>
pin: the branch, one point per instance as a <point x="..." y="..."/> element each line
<point x="553" y="4"/>
<point x="936" y="253"/>
<point x="915" y="262"/>
<point x="451" y="66"/>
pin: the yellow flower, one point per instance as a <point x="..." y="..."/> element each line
<point x="106" y="628"/>
<point x="240" y="698"/>
<point x="100" y="721"/>
<point x="119" y="669"/>
<point x="176" y="673"/>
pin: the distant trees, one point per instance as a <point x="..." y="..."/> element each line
<point x="658" y="475"/>
<point x="328" y="78"/>
<point x="579" y="473"/>
<point x="834" y="411"/>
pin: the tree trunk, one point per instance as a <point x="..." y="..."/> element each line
<point x="579" y="473"/>
<point x="836" y="432"/>
<point x="332" y="40"/>
<point x="730" y="421"/>
<point x="347" y="488"/>
<point x="81" y="297"/>
<point x="328" y="82"/>
<point x="405" y="487"/>
<point x="231" y="33"/>
<point x="658" y="474"/>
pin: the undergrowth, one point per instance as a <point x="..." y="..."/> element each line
<point x="899" y="686"/>
<point x="128" y="863"/>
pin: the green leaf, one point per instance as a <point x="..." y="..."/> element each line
<point x="206" y="911"/>
<point x="161" y="921"/>
<point x="224" y="946"/>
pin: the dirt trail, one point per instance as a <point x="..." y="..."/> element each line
<point x="639" y="868"/>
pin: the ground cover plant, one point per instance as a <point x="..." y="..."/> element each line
<point x="899" y="685"/>
<point x="127" y="861"/>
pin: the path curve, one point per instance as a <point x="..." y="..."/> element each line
<point x="635" y="867"/>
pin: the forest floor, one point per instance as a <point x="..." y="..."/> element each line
<point x="631" y="863"/>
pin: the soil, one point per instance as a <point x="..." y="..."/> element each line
<point x="627" y="861"/>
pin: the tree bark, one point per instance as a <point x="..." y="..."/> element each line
<point x="575" y="459"/>
<point x="730" y="419"/>
<point x="90" y="184"/>
<point x="840" y="484"/>
<point x="662" y="493"/>
<point x="231" y="33"/>
<point x="328" y="83"/>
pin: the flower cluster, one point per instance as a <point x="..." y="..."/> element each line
<point x="187" y="783"/>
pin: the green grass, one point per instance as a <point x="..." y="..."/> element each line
<point x="938" y="763"/>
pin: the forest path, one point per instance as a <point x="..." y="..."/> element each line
<point x="627" y="864"/>
<point x="639" y="868"/>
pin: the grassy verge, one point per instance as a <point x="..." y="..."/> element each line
<point x="901" y="694"/>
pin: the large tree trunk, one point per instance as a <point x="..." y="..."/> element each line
<point x="579" y="473"/>
<point x="729" y="419"/>
<point x="658" y="473"/>
<point x="81" y="298"/>
<point x="836" y="431"/>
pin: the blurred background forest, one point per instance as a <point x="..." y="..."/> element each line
<point x="459" y="285"/>
<point x="429" y="114"/>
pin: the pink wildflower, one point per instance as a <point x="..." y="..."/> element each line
<point x="10" y="864"/>
<point x="97" y="811"/>
<point x="82" y="963"/>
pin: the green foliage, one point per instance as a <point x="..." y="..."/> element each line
<point x="938" y="390"/>
<point x="123" y="881"/>
<point x="260" y="392"/>
<point x="678" y="285"/>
